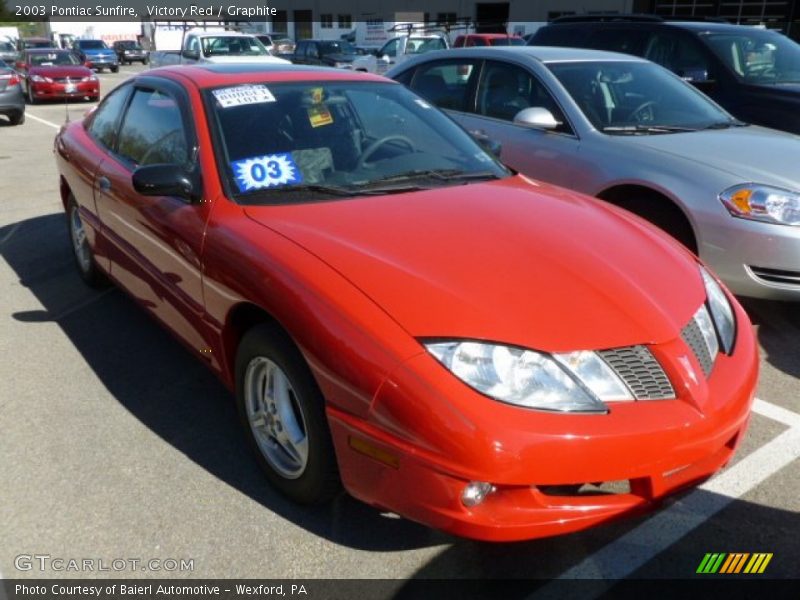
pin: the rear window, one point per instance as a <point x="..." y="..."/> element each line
<point x="509" y="41"/>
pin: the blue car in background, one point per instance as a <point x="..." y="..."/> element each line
<point x="95" y="54"/>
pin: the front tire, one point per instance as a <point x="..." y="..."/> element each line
<point x="31" y="97"/>
<point x="81" y="251"/>
<point x="114" y="69"/>
<point x="18" y="118"/>
<point x="283" y="414"/>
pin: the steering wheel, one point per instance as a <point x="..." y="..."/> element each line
<point x="637" y="113"/>
<point x="373" y="147"/>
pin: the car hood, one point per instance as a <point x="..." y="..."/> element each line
<point x="511" y="261"/>
<point x="749" y="153"/>
<point x="246" y="59"/>
<point x="61" y="71"/>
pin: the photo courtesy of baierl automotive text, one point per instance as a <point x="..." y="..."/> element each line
<point x="334" y="299"/>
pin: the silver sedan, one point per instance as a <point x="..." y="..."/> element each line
<point x="632" y="133"/>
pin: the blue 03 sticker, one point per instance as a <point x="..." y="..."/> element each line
<point x="266" y="171"/>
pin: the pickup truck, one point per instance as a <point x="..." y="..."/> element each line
<point x="216" y="47"/>
<point x="398" y="50"/>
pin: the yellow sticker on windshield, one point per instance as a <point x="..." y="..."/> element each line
<point x="316" y="95"/>
<point x="319" y="115"/>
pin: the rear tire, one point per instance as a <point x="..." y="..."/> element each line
<point x="114" y="69"/>
<point x="18" y="118"/>
<point x="283" y="414"/>
<point x="81" y="251"/>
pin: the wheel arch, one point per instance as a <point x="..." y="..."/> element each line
<point x="654" y="205"/>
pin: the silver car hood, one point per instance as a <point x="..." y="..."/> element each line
<point x="750" y="153"/>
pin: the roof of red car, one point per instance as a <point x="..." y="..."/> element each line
<point x="206" y="76"/>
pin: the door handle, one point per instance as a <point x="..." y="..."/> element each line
<point x="104" y="184"/>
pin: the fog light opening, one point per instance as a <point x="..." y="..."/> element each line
<point x="475" y="493"/>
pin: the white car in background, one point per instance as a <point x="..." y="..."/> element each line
<point x="397" y="50"/>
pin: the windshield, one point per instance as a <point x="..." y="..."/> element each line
<point x="130" y="45"/>
<point x="637" y="97"/>
<point x="6" y="47"/>
<point x="758" y="56"/>
<point x="92" y="45"/>
<point x="507" y="41"/>
<point x="422" y="45"/>
<point x="230" y="45"/>
<point x="3" y="64"/>
<point x="53" y="58"/>
<point x="327" y="139"/>
<point x="337" y="48"/>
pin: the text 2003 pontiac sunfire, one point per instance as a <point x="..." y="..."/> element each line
<point x="398" y="313"/>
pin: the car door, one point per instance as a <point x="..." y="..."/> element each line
<point x="158" y="239"/>
<point x="503" y="90"/>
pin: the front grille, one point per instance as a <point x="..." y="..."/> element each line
<point x="776" y="276"/>
<point x="640" y="371"/>
<point x="693" y="337"/>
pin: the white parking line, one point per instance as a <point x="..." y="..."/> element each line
<point x="631" y="551"/>
<point x="41" y="120"/>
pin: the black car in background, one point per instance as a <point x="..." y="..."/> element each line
<point x="325" y="53"/>
<point x="754" y="73"/>
<point x="129" y="51"/>
<point x="12" y="101"/>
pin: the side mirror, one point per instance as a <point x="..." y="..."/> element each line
<point x="165" y="180"/>
<point x="536" y="117"/>
<point x="488" y="144"/>
<point x="386" y="58"/>
<point x="191" y="54"/>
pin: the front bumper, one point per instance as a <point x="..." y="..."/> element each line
<point x="101" y="63"/>
<point x="424" y="444"/>
<point x="754" y="259"/>
<point x="43" y="91"/>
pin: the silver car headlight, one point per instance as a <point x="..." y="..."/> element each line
<point x="763" y="203"/>
<point x="569" y="382"/>
<point x="721" y="312"/>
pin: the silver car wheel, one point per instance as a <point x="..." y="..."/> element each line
<point x="79" y="243"/>
<point x="276" y="417"/>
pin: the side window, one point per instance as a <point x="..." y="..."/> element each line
<point x="300" y="49"/>
<point x="390" y="48"/>
<point x="152" y="131"/>
<point x="506" y="89"/>
<point x="103" y="126"/>
<point x="312" y="51"/>
<point x="192" y="45"/>
<point x="446" y="83"/>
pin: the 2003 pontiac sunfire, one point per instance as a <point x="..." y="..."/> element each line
<point x="399" y="314"/>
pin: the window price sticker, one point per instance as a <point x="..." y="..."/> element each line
<point x="242" y="95"/>
<point x="260" y="172"/>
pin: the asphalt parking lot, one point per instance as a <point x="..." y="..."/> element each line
<point x="116" y="443"/>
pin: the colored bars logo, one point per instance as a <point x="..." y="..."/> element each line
<point x="737" y="562"/>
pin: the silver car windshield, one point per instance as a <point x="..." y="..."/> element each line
<point x="233" y="46"/>
<point x="758" y="56"/>
<point x="623" y="98"/>
<point x="288" y="142"/>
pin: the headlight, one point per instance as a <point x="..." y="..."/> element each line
<point x="342" y="65"/>
<point x="39" y="79"/>
<point x="572" y="382"/>
<point x="721" y="312"/>
<point x="89" y="78"/>
<point x="763" y="203"/>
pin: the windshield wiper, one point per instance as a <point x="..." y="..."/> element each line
<point x="637" y="129"/>
<point x="438" y="174"/>
<point x="726" y="124"/>
<point x="305" y="187"/>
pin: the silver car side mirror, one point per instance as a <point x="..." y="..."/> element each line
<point x="536" y="117"/>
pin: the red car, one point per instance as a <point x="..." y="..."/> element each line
<point x="56" y="74"/>
<point x="487" y="39"/>
<point x="397" y="312"/>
